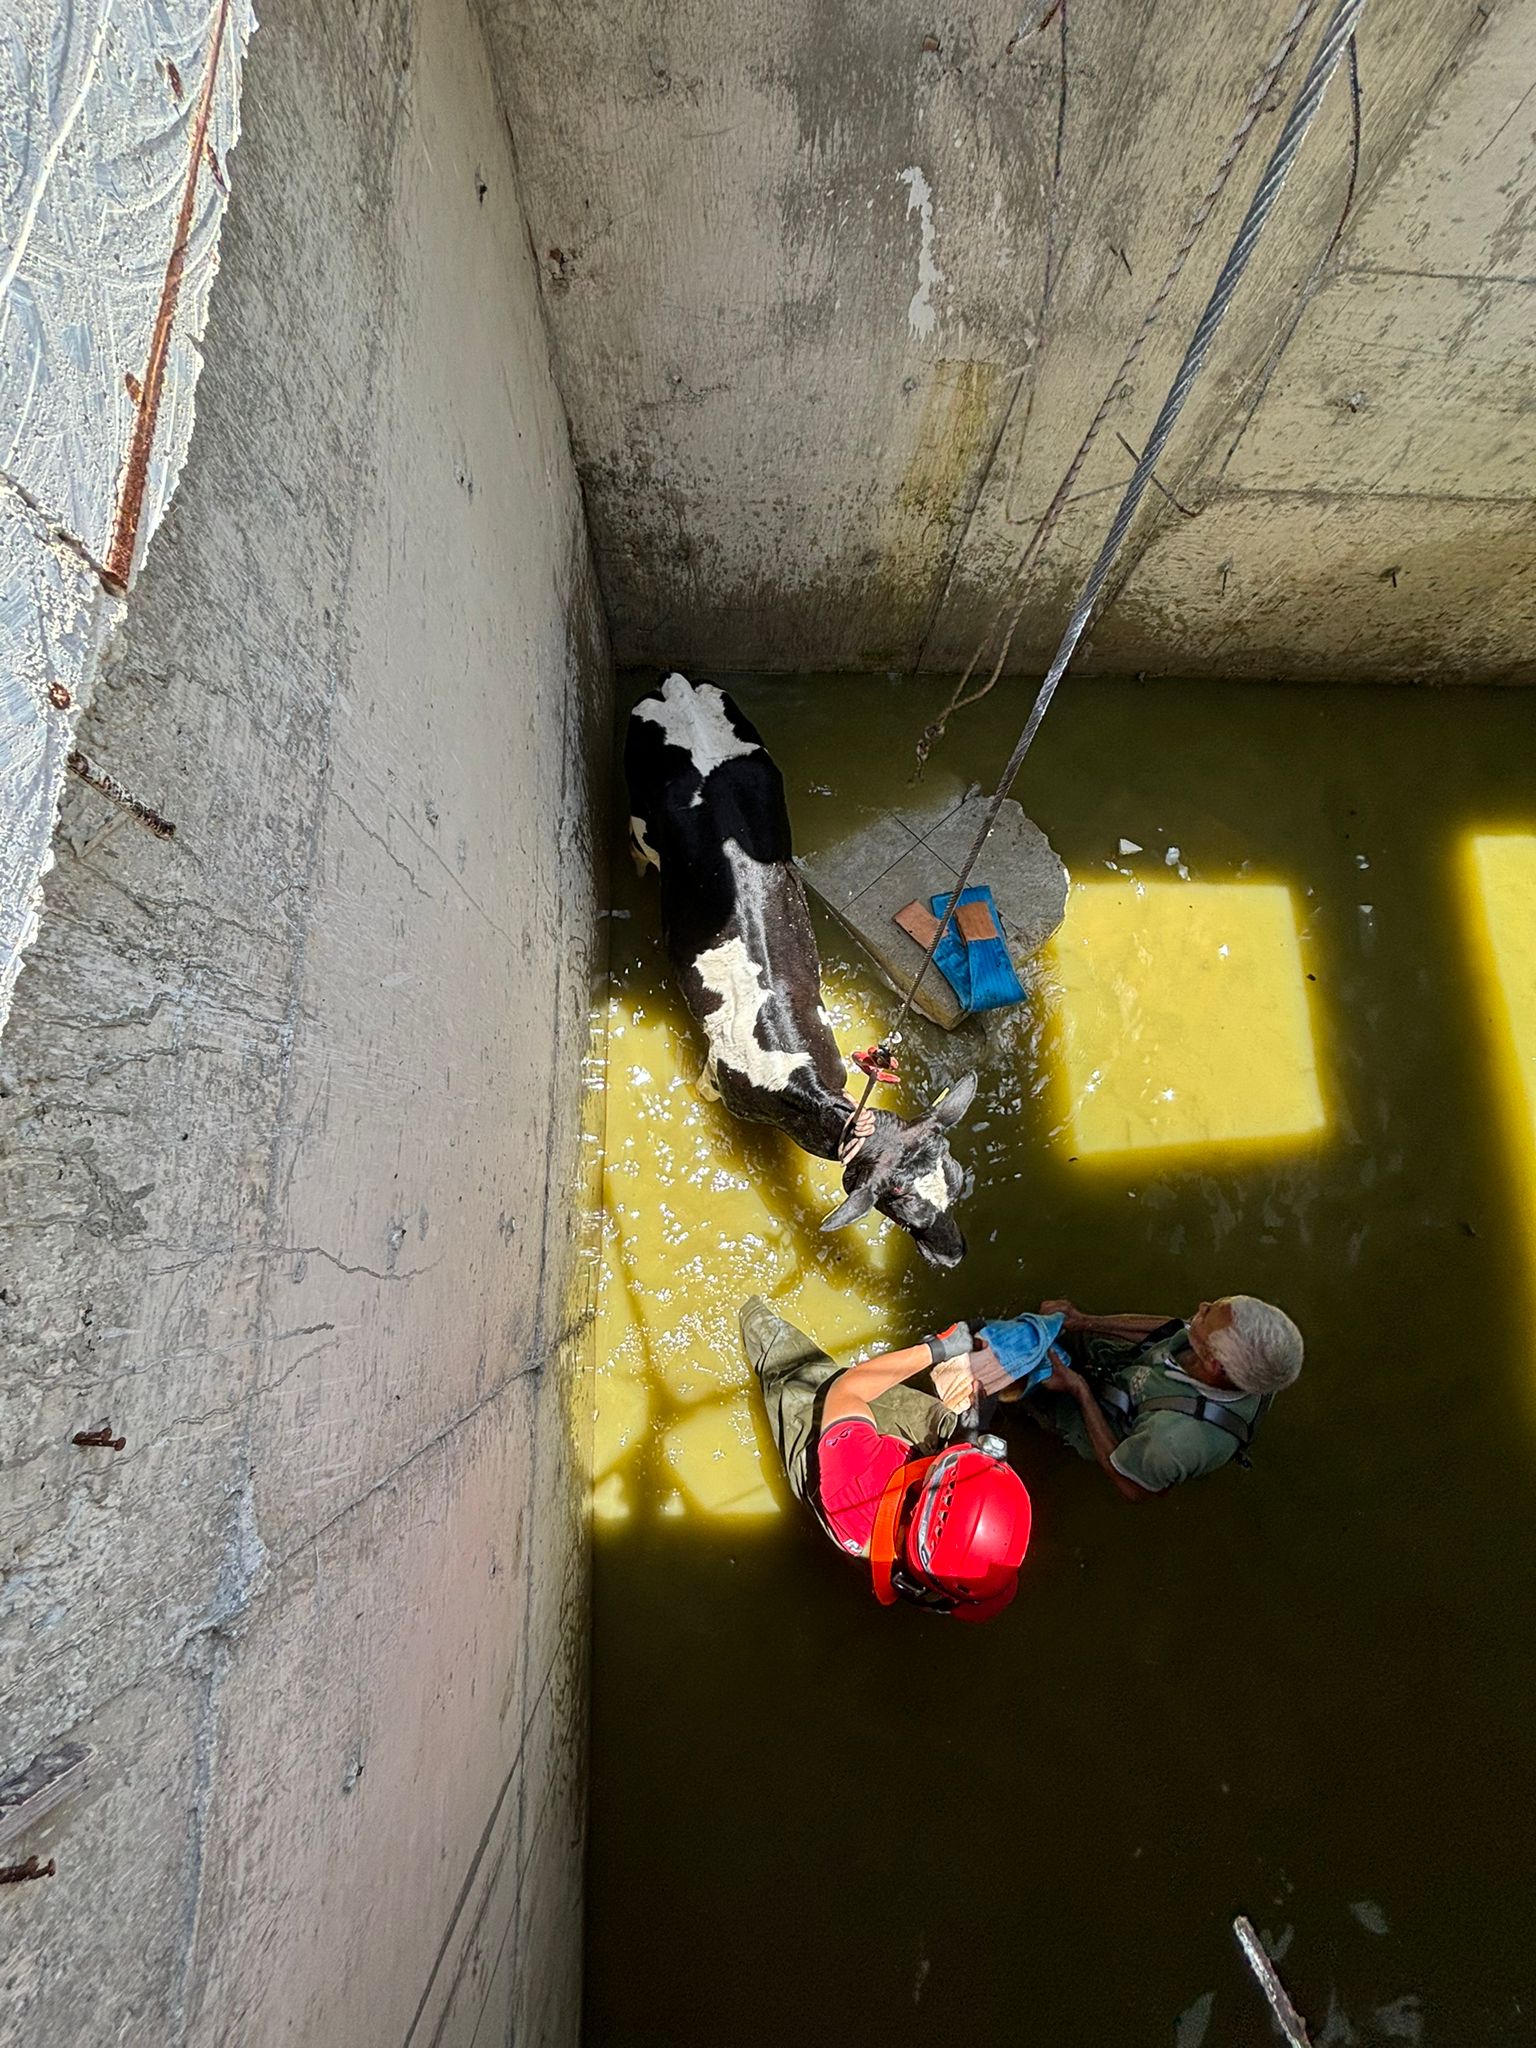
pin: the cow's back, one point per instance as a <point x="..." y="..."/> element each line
<point x="699" y="775"/>
<point x="708" y="810"/>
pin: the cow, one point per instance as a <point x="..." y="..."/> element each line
<point x="708" y="813"/>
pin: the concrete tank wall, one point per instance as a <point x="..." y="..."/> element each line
<point x="291" y="1137"/>
<point x="835" y="292"/>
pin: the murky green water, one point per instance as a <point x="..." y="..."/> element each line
<point x="1303" y="1693"/>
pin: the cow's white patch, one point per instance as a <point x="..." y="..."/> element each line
<point x="933" y="1187"/>
<point x="644" y="851"/>
<point x="730" y="973"/>
<point x="695" y="720"/>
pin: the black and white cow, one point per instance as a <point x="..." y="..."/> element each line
<point x="708" y="813"/>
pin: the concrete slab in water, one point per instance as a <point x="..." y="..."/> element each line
<point x="868" y="877"/>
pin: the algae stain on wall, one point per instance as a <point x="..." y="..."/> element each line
<point x="953" y="434"/>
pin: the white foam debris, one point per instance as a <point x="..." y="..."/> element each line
<point x="1171" y="857"/>
<point x="1129" y="846"/>
<point x="1223" y="951"/>
<point x="1361" y="861"/>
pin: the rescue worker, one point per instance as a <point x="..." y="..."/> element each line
<point x="887" y="1469"/>
<point x="1157" y="1402"/>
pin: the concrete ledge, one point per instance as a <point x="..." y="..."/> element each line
<point x="868" y="877"/>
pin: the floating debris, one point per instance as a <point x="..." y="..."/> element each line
<point x="1337" y="2030"/>
<point x="1287" y="2018"/>
<point x="1370" y="1916"/>
<point x="1402" y="2020"/>
<point x="1130" y="846"/>
<point x="1194" y="2023"/>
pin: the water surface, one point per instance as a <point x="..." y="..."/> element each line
<point x="1302" y="1692"/>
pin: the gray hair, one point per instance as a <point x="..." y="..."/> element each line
<point x="1260" y="1349"/>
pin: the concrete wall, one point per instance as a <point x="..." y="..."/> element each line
<point x="291" y="1138"/>
<point x="836" y="290"/>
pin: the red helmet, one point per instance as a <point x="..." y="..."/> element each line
<point x="951" y="1532"/>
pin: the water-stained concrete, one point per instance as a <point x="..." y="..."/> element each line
<point x="835" y="293"/>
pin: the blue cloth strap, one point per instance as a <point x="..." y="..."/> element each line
<point x="980" y="972"/>
<point x="1022" y="1344"/>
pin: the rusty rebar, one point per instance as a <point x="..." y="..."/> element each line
<point x="108" y="786"/>
<point x="98" y="1439"/>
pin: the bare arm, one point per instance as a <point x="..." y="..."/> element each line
<point x="854" y="1390"/>
<point x="949" y="1354"/>
<point x="1103" y="1439"/>
<point x="1131" y="1327"/>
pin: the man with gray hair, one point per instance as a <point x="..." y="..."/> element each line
<point x="1157" y="1402"/>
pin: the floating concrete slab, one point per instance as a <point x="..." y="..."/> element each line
<point x="865" y="879"/>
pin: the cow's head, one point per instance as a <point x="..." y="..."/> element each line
<point x="906" y="1172"/>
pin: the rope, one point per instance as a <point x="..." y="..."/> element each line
<point x="1325" y="61"/>
<point x="1046" y="525"/>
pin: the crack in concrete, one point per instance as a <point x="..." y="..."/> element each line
<point x="318" y="1251"/>
<point x="379" y="840"/>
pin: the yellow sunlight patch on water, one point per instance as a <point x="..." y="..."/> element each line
<point x="1500" y="871"/>
<point x="1182" y="1018"/>
<point x="701" y="1212"/>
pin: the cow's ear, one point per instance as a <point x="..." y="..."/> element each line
<point x="954" y="1102"/>
<point x="858" y="1204"/>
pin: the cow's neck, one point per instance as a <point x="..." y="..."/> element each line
<point x="823" y="1120"/>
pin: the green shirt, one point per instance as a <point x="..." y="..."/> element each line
<point x="1161" y="1449"/>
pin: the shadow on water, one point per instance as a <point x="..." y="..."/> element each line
<point x="1303" y="1692"/>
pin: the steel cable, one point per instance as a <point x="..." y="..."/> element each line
<point x="1330" y="50"/>
<point x="1045" y="526"/>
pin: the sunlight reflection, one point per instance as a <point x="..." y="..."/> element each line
<point x="1183" y="1019"/>
<point x="702" y="1211"/>
<point x="1501" y="877"/>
